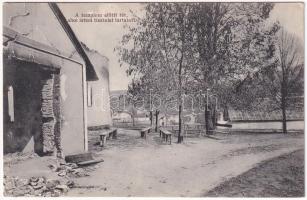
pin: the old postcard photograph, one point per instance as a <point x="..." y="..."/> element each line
<point x="153" y="99"/>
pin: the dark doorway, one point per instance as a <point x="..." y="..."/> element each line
<point x="25" y="79"/>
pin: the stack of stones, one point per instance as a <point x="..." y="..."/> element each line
<point x="36" y="186"/>
<point x="48" y="117"/>
<point x="46" y="187"/>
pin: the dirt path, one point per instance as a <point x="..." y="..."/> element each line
<point x="135" y="167"/>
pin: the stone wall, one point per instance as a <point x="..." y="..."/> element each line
<point x="48" y="121"/>
<point x="50" y="112"/>
<point x="57" y="114"/>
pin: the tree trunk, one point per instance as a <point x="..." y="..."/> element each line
<point x="151" y="118"/>
<point x="214" y="118"/>
<point x="284" y="93"/>
<point x="180" y="138"/>
<point x="207" y="121"/>
<point x="180" y="124"/>
<point x="284" y="121"/>
<point x="166" y="118"/>
<point x="157" y="118"/>
<point x="133" y="113"/>
<point x="225" y="113"/>
<point x="133" y="123"/>
<point x="284" y="117"/>
<point x="180" y="101"/>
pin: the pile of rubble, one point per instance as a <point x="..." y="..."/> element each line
<point x="69" y="170"/>
<point x="36" y="186"/>
<point x="42" y="186"/>
<point x="57" y="183"/>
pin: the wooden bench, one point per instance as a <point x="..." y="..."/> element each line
<point x="107" y="134"/>
<point x="144" y="132"/>
<point x="166" y="135"/>
<point x="191" y="129"/>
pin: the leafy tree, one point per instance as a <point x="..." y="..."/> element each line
<point x="161" y="44"/>
<point x="234" y="42"/>
<point x="183" y="48"/>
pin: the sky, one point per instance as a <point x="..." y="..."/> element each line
<point x="290" y="16"/>
<point x="105" y="36"/>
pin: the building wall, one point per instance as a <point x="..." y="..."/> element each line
<point x="72" y="108"/>
<point x="36" y="21"/>
<point x="98" y="104"/>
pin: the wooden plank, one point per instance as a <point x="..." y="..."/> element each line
<point x="224" y="125"/>
<point x="106" y="132"/>
<point x="146" y="129"/>
<point x="89" y="162"/>
<point x="166" y="132"/>
<point x="103" y="133"/>
<point x="76" y="158"/>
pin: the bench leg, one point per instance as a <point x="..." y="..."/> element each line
<point x="148" y="132"/>
<point x="115" y="134"/>
<point x="170" y="139"/>
<point x="103" y="140"/>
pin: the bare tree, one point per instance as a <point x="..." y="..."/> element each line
<point x="285" y="78"/>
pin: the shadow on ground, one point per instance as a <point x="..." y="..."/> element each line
<point x="282" y="176"/>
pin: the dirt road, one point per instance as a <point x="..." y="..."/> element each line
<point x="137" y="167"/>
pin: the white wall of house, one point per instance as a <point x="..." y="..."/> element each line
<point x="98" y="95"/>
